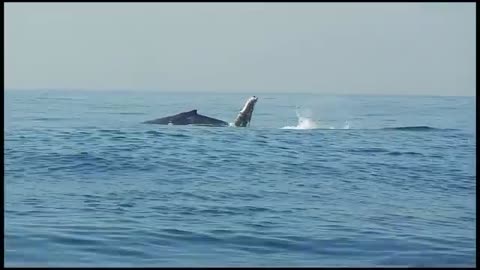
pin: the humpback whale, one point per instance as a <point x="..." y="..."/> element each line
<point x="188" y="118"/>
<point x="193" y="118"/>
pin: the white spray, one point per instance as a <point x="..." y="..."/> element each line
<point x="306" y="121"/>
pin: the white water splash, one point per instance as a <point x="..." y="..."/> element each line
<point x="305" y="120"/>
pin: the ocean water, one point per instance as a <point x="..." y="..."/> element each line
<point x="316" y="180"/>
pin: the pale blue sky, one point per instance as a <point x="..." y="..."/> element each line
<point x="341" y="48"/>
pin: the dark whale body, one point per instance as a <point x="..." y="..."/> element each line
<point x="188" y="118"/>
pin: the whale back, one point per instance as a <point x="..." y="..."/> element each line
<point x="188" y="118"/>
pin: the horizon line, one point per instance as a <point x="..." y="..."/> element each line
<point x="234" y="92"/>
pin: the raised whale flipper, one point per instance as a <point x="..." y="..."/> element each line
<point x="245" y="116"/>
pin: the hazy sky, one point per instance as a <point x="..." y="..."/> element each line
<point x="387" y="48"/>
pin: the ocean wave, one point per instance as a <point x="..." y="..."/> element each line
<point x="117" y="192"/>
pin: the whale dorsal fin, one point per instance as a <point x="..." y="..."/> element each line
<point x="192" y="112"/>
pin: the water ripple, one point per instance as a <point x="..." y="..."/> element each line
<point x="86" y="188"/>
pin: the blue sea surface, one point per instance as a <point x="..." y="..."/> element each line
<point x="316" y="180"/>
